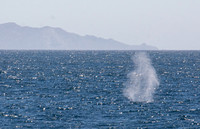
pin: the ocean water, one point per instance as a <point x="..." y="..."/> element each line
<point x="85" y="89"/>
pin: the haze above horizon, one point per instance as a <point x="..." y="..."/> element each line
<point x="166" y="24"/>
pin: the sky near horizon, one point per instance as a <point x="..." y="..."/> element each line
<point x="166" y="24"/>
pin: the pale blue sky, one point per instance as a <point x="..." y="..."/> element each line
<point x="167" y="24"/>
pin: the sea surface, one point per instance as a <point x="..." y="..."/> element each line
<point x="84" y="89"/>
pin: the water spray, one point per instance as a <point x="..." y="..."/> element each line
<point x="143" y="81"/>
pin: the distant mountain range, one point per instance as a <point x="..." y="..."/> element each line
<point x="13" y="36"/>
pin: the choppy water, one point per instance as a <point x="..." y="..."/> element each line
<point x="84" y="89"/>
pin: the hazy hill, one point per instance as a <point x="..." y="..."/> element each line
<point x="13" y="36"/>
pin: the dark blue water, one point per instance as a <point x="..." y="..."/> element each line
<point x="84" y="89"/>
